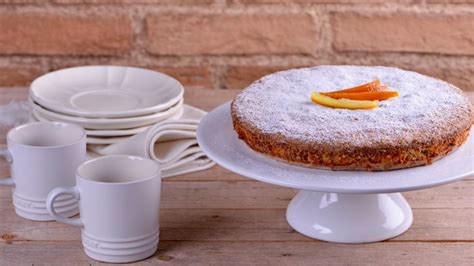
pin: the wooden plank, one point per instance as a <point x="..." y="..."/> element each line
<point x="243" y="225"/>
<point x="320" y="253"/>
<point x="216" y="173"/>
<point x="4" y="167"/>
<point x="13" y="94"/>
<point x="254" y="194"/>
<point x="271" y="225"/>
<point x="208" y="99"/>
<point x="258" y="195"/>
<point x="255" y="253"/>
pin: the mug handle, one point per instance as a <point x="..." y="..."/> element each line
<point x="56" y="192"/>
<point x="8" y="181"/>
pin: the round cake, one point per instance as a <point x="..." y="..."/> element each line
<point x="275" y="116"/>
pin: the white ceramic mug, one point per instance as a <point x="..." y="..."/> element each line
<point x="43" y="155"/>
<point x="119" y="201"/>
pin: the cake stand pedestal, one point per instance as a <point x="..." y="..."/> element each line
<point x="335" y="206"/>
<point x="349" y="218"/>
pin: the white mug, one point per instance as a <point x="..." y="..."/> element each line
<point x="119" y="202"/>
<point x="43" y="155"/>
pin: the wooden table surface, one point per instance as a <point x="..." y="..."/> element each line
<point x="217" y="217"/>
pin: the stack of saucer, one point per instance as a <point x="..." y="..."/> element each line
<point x="111" y="102"/>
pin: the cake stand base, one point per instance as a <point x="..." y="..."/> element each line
<point x="349" y="218"/>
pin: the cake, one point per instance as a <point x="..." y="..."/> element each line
<point x="275" y="116"/>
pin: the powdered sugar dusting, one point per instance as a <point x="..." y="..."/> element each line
<point x="280" y="104"/>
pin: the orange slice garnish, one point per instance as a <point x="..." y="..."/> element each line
<point x="369" y="96"/>
<point x="342" y="103"/>
<point x="367" y="87"/>
<point x="365" y="96"/>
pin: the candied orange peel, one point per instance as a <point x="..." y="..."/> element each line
<point x="365" y="96"/>
<point x="373" y="95"/>
<point x="367" y="87"/>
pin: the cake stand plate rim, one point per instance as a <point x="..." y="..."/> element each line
<point x="219" y="142"/>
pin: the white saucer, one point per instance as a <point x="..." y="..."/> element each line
<point x="102" y="140"/>
<point x="338" y="206"/>
<point x="106" y="91"/>
<point x="109" y="123"/>
<point x="105" y="132"/>
<point x="105" y="141"/>
<point x="116" y="132"/>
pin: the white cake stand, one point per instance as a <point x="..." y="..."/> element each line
<point x="335" y="206"/>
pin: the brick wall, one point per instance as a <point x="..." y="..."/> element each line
<point x="226" y="44"/>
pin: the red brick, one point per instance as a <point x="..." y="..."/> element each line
<point x="404" y="33"/>
<point x="459" y="76"/>
<point x="450" y="1"/>
<point x="49" y="34"/>
<point x="22" y="1"/>
<point x="189" y="76"/>
<point x="164" y="2"/>
<point x="319" y="1"/>
<point x="18" y="76"/>
<point x="239" y="77"/>
<point x="192" y="34"/>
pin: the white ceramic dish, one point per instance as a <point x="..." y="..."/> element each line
<point x="119" y="201"/>
<point x="104" y="133"/>
<point x="337" y="206"/>
<point x="109" y="123"/>
<point x="106" y="91"/>
<point x="116" y="132"/>
<point x="43" y="155"/>
<point x="92" y="139"/>
<point x="105" y="141"/>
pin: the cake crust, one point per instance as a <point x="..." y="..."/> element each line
<point x="274" y="116"/>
